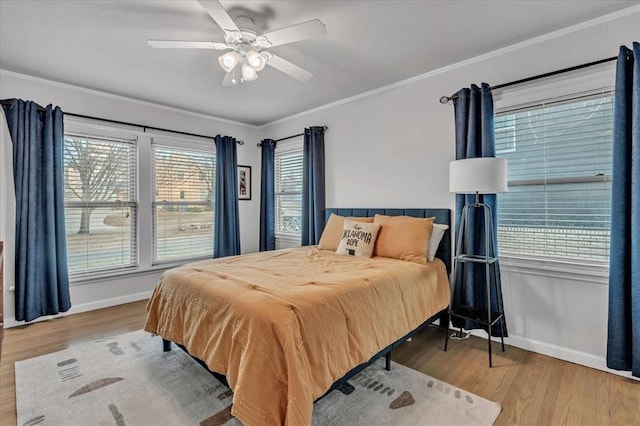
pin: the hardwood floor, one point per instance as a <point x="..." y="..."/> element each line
<point x="532" y="388"/>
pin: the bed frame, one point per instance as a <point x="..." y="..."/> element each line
<point x="443" y="216"/>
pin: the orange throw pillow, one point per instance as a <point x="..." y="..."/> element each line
<point x="403" y="237"/>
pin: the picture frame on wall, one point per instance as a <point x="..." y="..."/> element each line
<point x="244" y="182"/>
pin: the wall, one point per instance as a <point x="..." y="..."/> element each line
<point x="107" y="292"/>
<point x="391" y="148"/>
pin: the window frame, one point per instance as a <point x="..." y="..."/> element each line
<point x="597" y="80"/>
<point x="144" y="194"/>
<point x="292" y="146"/>
<point x="184" y="145"/>
<point x="74" y="128"/>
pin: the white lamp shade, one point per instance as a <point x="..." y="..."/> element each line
<point x="248" y="73"/>
<point x="486" y="175"/>
<point x="228" y="60"/>
<point x="256" y="60"/>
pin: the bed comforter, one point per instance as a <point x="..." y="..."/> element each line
<point x="284" y="325"/>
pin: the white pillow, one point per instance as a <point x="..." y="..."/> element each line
<point x="358" y="238"/>
<point x="434" y="240"/>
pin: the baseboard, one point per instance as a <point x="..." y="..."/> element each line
<point x="84" y="307"/>
<point x="555" y="351"/>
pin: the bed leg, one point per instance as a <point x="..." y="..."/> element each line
<point x="387" y="361"/>
<point x="166" y="345"/>
<point x="444" y="320"/>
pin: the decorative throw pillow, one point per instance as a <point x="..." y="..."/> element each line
<point x="358" y="238"/>
<point x="403" y="237"/>
<point x="332" y="233"/>
<point x="434" y="241"/>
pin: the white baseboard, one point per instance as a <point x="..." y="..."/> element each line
<point x="555" y="351"/>
<point x="84" y="307"/>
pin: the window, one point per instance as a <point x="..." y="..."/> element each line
<point x="506" y="134"/>
<point x="559" y="166"/>
<point x="135" y="202"/>
<point x="100" y="203"/>
<point x="183" y="184"/>
<point x="288" y="189"/>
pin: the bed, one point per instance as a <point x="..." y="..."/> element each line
<point x="287" y="326"/>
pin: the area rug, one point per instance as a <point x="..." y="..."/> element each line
<point x="128" y="380"/>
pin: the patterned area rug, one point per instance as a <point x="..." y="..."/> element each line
<point x="128" y="380"/>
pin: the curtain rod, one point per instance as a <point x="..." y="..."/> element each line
<point x="259" y="144"/>
<point x="144" y="127"/>
<point x="446" y="99"/>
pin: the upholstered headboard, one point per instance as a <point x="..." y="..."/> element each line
<point x="443" y="216"/>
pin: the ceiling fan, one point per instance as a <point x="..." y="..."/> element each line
<point x="247" y="48"/>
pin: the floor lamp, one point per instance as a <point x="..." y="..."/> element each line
<point x="486" y="175"/>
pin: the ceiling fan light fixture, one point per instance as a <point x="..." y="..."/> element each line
<point x="256" y="60"/>
<point x="248" y="73"/>
<point x="229" y="60"/>
<point x="247" y="46"/>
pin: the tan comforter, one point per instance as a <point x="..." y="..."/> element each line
<point x="284" y="325"/>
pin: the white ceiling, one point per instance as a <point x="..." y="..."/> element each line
<point x="101" y="45"/>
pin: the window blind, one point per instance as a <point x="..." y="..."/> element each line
<point x="288" y="191"/>
<point x="559" y="172"/>
<point x="100" y="204"/>
<point x="183" y="188"/>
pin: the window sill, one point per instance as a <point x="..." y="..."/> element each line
<point x="597" y="273"/>
<point x="125" y="273"/>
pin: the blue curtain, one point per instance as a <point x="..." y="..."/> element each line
<point x="267" y="196"/>
<point x="313" y="191"/>
<point x="42" y="278"/>
<point x="475" y="138"/>
<point x="227" y="226"/>
<point x="623" y="343"/>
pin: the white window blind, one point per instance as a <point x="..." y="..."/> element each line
<point x="183" y="187"/>
<point x="288" y="191"/>
<point x="559" y="172"/>
<point x="100" y="203"/>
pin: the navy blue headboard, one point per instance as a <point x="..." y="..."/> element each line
<point x="443" y="216"/>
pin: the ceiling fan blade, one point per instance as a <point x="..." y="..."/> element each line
<point x="289" y="68"/>
<point x="175" y="44"/>
<point x="228" y="79"/>
<point x="217" y="12"/>
<point x="305" y="30"/>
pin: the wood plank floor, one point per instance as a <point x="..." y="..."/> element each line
<point x="532" y="388"/>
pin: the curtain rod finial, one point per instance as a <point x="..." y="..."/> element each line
<point x="444" y="99"/>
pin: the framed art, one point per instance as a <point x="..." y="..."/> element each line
<point x="244" y="182"/>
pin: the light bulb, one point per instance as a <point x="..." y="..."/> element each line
<point x="248" y="73"/>
<point x="228" y="60"/>
<point x="256" y="60"/>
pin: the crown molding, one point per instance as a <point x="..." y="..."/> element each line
<point x="121" y="98"/>
<point x="485" y="56"/>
